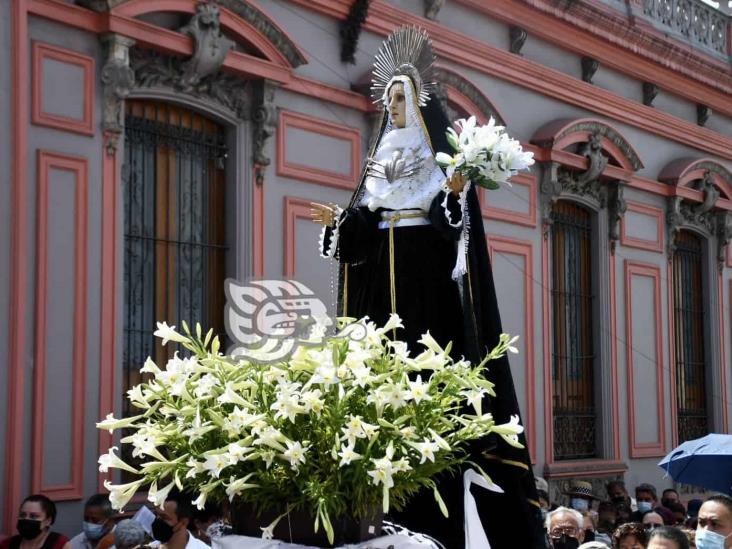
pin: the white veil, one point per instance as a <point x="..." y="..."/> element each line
<point x="420" y="179"/>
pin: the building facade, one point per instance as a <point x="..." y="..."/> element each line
<point x="157" y="147"/>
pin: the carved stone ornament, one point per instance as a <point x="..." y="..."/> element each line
<point x="558" y="181"/>
<point x="153" y="69"/>
<point x="724" y="235"/>
<point x="617" y="206"/>
<point x="118" y="78"/>
<point x="701" y="216"/>
<point x="264" y="116"/>
<point x="432" y="8"/>
<point x="211" y="46"/>
<point x="589" y="68"/>
<point x="702" y="114"/>
<point x="650" y="91"/>
<point x="517" y="36"/>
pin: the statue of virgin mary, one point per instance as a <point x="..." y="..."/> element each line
<point x="406" y="245"/>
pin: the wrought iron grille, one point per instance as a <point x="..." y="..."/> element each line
<point x="691" y="395"/>
<point x="573" y="350"/>
<point x="174" y="245"/>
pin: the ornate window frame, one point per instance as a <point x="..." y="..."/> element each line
<point x="582" y="176"/>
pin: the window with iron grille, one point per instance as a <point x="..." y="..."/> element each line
<point x="174" y="245"/>
<point x="691" y="398"/>
<point x="573" y="350"/>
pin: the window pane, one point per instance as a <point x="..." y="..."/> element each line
<point x="573" y="350"/>
<point x="173" y="185"/>
<point x="689" y="338"/>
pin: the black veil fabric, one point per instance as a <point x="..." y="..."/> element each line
<point x="512" y="520"/>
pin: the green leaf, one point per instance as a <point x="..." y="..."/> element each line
<point x="440" y="501"/>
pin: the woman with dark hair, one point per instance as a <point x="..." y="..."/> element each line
<point x="37" y="514"/>
<point x="406" y="246"/>
<point x="668" y="537"/>
<point x="631" y="535"/>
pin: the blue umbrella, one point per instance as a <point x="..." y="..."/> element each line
<point x="704" y="462"/>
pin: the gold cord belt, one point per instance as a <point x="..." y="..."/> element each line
<point x="392" y="219"/>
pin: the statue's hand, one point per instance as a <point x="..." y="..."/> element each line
<point x="323" y="214"/>
<point x="456" y="183"/>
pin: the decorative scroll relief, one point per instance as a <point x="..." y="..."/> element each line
<point x="558" y="181"/>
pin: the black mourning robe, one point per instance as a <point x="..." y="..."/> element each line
<point x="464" y="312"/>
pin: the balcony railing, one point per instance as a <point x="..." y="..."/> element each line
<point x="693" y="20"/>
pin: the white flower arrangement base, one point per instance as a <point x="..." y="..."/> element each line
<point x="384" y="542"/>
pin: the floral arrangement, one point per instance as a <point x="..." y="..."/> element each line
<point x="486" y="155"/>
<point x="344" y="426"/>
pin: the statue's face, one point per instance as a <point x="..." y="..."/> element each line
<point x="397" y="105"/>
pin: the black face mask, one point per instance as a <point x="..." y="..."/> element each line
<point x="565" y="542"/>
<point x="29" y="528"/>
<point x="162" y="531"/>
<point x="589" y="535"/>
<point x="619" y="499"/>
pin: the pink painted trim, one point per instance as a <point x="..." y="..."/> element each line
<point x="642" y="243"/>
<point x="84" y="125"/>
<point x="672" y="352"/>
<point x="14" y="435"/>
<point x="657" y="448"/>
<point x="631" y="47"/>
<point x="66" y="13"/>
<point x="684" y="171"/>
<point x="511" y="216"/>
<point x="723" y="362"/>
<point x="524" y="249"/>
<point x="498" y="63"/>
<point x="584" y="468"/>
<point x="302" y="172"/>
<point x="79" y="166"/>
<point x="557" y="133"/>
<point x="612" y="279"/>
<point x="240" y="29"/>
<point x="546" y="352"/>
<point x="326" y="92"/>
<point x="108" y="339"/>
<point x="257" y="223"/>
<point x="293" y="209"/>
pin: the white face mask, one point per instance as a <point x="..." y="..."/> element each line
<point x="579" y="504"/>
<point x="706" y="539"/>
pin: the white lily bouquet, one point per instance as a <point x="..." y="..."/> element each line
<point x="485" y="155"/>
<point x="346" y="426"/>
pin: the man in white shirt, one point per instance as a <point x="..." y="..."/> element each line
<point x="170" y="527"/>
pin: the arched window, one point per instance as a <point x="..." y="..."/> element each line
<point x="573" y="349"/>
<point x="174" y="232"/>
<point x="689" y="336"/>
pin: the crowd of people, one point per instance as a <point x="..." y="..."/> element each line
<point x="175" y="525"/>
<point x="642" y="522"/>
<point x="587" y="522"/>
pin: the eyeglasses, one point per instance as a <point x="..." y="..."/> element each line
<point x="558" y="531"/>
<point x="651" y="526"/>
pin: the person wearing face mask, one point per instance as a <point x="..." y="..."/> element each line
<point x="566" y="528"/>
<point x="170" y="527"/>
<point x="98" y="524"/>
<point x="618" y="494"/>
<point x="645" y="495"/>
<point x="714" y="528"/>
<point x="580" y="495"/>
<point x="669" y="496"/>
<point x="37" y="514"/>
